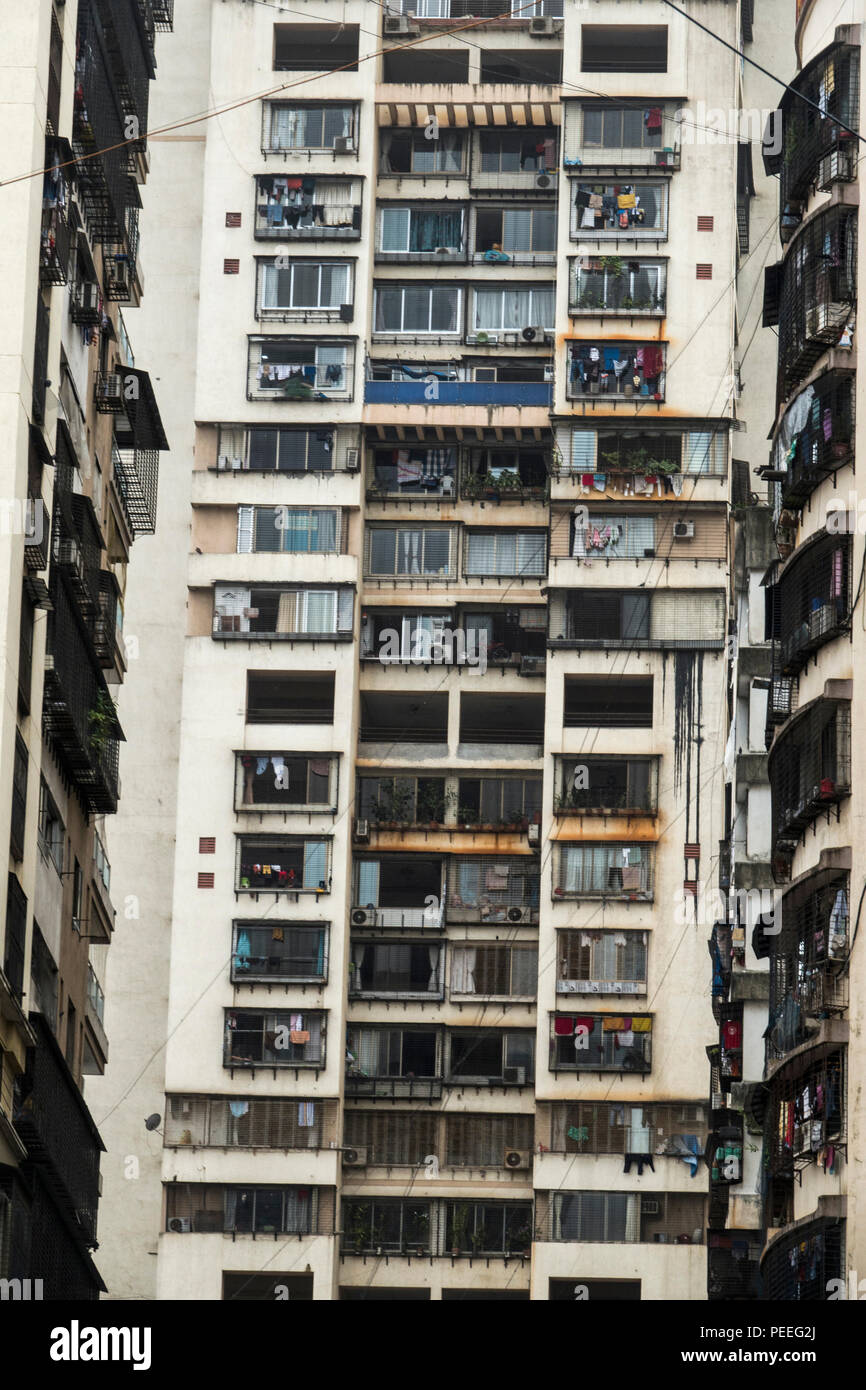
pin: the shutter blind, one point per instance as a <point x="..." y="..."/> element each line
<point x="245" y="530"/>
<point x="345" y="610"/>
<point x="583" y="451"/>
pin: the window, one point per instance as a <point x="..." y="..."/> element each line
<point x="71" y="1034"/>
<point x="489" y="1228"/>
<point x="408" y="152"/>
<point x="262" y="449"/>
<point x="628" y="1217"/>
<point x="616" y="369"/>
<point x="407" y="65"/>
<point x="299" y="697"/>
<point x="609" y="703"/>
<point x="510" y="719"/>
<point x="274" y="1039"/>
<point x="601" y="1042"/>
<point x="601" y="962"/>
<point x="415" y="231"/>
<point x="311" y="127"/>
<point x="52" y="836"/>
<point x="305" y="285"/>
<point x="279" y="951"/>
<point x="282" y="612"/>
<point x="407" y="1053"/>
<point x="418" y="308"/>
<point x="414" y="470"/>
<point x="295" y="530"/>
<point x="295" y="368"/>
<point x="512" y="310"/>
<point x="19" y="798"/>
<point x="401" y="882"/>
<point x="209" y="1208"/>
<point x="520" y="554"/>
<point x="619" y="537"/>
<point x="609" y="1127"/>
<point x="44" y="979"/>
<point x="498" y="800"/>
<point x="517" y="152"/>
<point x="315" y="47"/>
<point x="498" y="888"/>
<point x="619" y="871"/>
<point x="604" y="282"/>
<point x="617" y="209"/>
<point x="395" y="1138"/>
<point x="494" y="971"/>
<point x="518" y="230"/>
<point x="624" y="127"/>
<point x="285" y="781"/>
<point x="400" y="969"/>
<point x="532" y="67"/>
<point x="624" y="47"/>
<point x="385" y="1223"/>
<point x="607" y="785"/>
<point x="401" y="550"/>
<point x="77" y="895"/>
<point x="283" y="864"/>
<point x="406" y="800"/>
<point x="482" y="1141"/>
<point x="310" y="208"/>
<point x="705" y="451"/>
<point x="492" y="1055"/>
<point x="262" y="1122"/>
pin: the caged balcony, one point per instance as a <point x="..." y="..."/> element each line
<point x="620" y="370"/>
<point x="800" y="1266"/>
<point x="812" y="293"/>
<point x="815" y="438"/>
<point x="139" y="439"/>
<point x="807" y="1113"/>
<point x="808" y="979"/>
<point x="819" y="144"/>
<point x="809" y="768"/>
<point x="733" y="1266"/>
<point x="814" y="598"/>
<point x="98" y="136"/>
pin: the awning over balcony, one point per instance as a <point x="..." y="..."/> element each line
<point x="139" y="425"/>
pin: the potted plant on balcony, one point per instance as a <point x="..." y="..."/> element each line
<point x="101" y="720"/>
<point x="361" y="1231"/>
<point x="490" y="488"/>
<point x="459" y="1221"/>
<point x="471" y="487"/>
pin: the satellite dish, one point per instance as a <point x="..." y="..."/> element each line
<point x="153" y="1122"/>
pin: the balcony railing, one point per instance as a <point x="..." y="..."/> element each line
<point x="139" y="439"/>
<point x="626" y="1217"/>
<point x="55" y="247"/>
<point x="808" y="978"/>
<point x="607" y="787"/>
<point x="604" y="285"/>
<point x="733" y="1271"/>
<point x="808" y="1109"/>
<point x="403" y="1226"/>
<point x="300" y="369"/>
<point x="98" y="135"/>
<point x="809" y="768"/>
<point x="128" y="35"/>
<point x="601" y="1042"/>
<point x="802" y="1265"/>
<point x="812" y="294"/>
<point x="815" y="438"/>
<point x="265" y="1122"/>
<point x="37" y="534"/>
<point x="814" y="599"/>
<point x="619" y="369"/>
<point x="815" y="129"/>
<point x="451" y="393"/>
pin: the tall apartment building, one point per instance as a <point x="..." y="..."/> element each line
<point x="82" y="437"/>
<point x="421" y="992"/>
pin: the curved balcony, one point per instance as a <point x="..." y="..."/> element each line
<point x="814" y="597"/>
<point x="817" y="148"/>
<point x="815" y="438"/>
<point x="809" y="768"/>
<point x="812" y="293"/>
<point x="807" y="963"/>
<point x="800" y="1265"/>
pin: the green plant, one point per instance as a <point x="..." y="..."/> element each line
<point x="509" y="480"/>
<point x="613" y="265"/>
<point x="102" y="719"/>
<point x="466" y="815"/>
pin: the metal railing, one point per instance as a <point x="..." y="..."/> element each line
<point x="809" y="769"/>
<point x="814" y="599"/>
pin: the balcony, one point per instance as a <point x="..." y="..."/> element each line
<point x="274" y="1038"/>
<point x="612" y="963"/>
<point x="600" y="1042"/>
<point x="808" y="979"/>
<point x="814" y="598"/>
<point x="599" y="286"/>
<point x="394" y="1063"/>
<point x="406" y="970"/>
<point x="623" y="871"/>
<point x="307" y="208"/>
<point x="294" y="952"/>
<point x="493" y="888"/>
<point x="802" y="1265"/>
<point x="640" y="214"/>
<point x="98" y="136"/>
<point x="40" y="360"/>
<point x="393" y="1226"/>
<point x="55" y="245"/>
<point x="818" y="149"/>
<point x="594" y="1128"/>
<point x="733" y="1270"/>
<point x="283" y="864"/>
<point x="618" y="370"/>
<point x="285" y="782"/>
<point x="274" y="614"/>
<point x="809" y="768"/>
<point x="139" y="439"/>
<point x="128" y="35"/>
<point x="300" y="369"/>
<point x="398" y="891"/>
<point x="403" y="1138"/>
<point x="815" y="439"/>
<point x="619" y="138"/>
<point x="37" y="529"/>
<point x="108" y="624"/>
<point x="595" y="786"/>
<point x="53" y="1121"/>
<point x="599" y="618"/>
<point x="811" y="294"/>
<point x="808" y="1110"/>
<point x="267" y="1122"/>
<point x="213" y="1209"/>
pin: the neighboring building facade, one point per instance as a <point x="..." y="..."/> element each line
<point x="82" y="436"/>
<point x="421" y="995"/>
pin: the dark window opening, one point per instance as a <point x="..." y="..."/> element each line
<point x="515" y="65"/>
<point x="406" y="718"/>
<point x="502" y="719"/>
<point x="516" y="152"/>
<point x="437" y="65"/>
<point x="608" y="702"/>
<point x="298" y="697"/>
<point x="609" y="617"/>
<point x="315" y="47"/>
<point x="624" y="48"/>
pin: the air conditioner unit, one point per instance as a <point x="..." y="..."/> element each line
<point x="178" y="1225"/>
<point x="533" y="334"/>
<point x="346" y="313"/>
<point x="837" y="167"/>
<point x="344" y="144"/>
<point x="684" y="530"/>
<point x="544" y="180"/>
<point x="87" y="296"/>
<point x="363" y="917"/>
<point x="515" y="1076"/>
<point x="532" y="666"/>
<point x="543" y="28"/>
<point x="533" y="833"/>
<point x="518" y="914"/>
<point x="362" y="830"/>
<point x="353" y="460"/>
<point x="516" y="1158"/>
<point x="650" y="1206"/>
<point x="400" y="24"/>
<point x="354" y="1158"/>
<point x="482" y="338"/>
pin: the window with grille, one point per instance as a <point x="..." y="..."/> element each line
<point x="401" y="1138"/>
<point x="296" y="697"/>
<point x="270" y="1122"/>
<point x="279" y="951"/>
<point x="417" y="308"/>
<point x="305" y="284"/>
<point x="624" y="127"/>
<point x="264" y="450"/>
<point x="519" y="554"/>
<point x="393" y="1052"/>
<point x="602" y="870"/>
<point x="498" y="800"/>
<point x="608" y="1127"/>
<point x="293" y="530"/>
<point x="310" y="127"/>
<point x="52" y="835"/>
<point x="601" y="962"/>
<point x="625" y="286"/>
<point x="275" y="1038"/>
<point x="596" y="207"/>
<point x="406" y="800"/>
<point x="400" y="882"/>
<point x="410" y="551"/>
<point x="210" y="1208"/>
<point x="495" y="885"/>
<point x="283" y="863"/>
<point x="601" y="1042"/>
<point x="402" y="969"/>
<point x="416" y="230"/>
<point x="619" y="537"/>
<point x="408" y="152"/>
<point x="628" y="1217"/>
<point x="518" y="152"/>
<point x="492" y="1054"/>
<point x="285" y="780"/>
<point x="494" y="970"/>
<point x="481" y="1141"/>
<point x="386" y="1223"/>
<point x="605" y="702"/>
<point x="282" y="612"/>
<point x="488" y="1228"/>
<point x="605" y="785"/>
<point x="512" y="310"/>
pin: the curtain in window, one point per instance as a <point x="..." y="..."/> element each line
<point x="524" y="972"/>
<point x="331" y="368"/>
<point x="368" y="882"/>
<point x="287" y="127"/>
<point x="428" y="230"/>
<point x="321" y="611"/>
<point x="315" y="863"/>
<point x="481" y="555"/>
<point x="371" y="1052"/>
<point x="395" y="229"/>
<point x="287" y="609"/>
<point x="230" y="1209"/>
<point x="530" y="554"/>
<point x="469" y="883"/>
<point x="437" y="550"/>
<point x="409" y="552"/>
<point x="297" y="1211"/>
<point x="337" y="123"/>
<point x="463" y="970"/>
<point x="433" y="980"/>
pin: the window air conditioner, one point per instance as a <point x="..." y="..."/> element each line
<point x="650" y="1206"/>
<point x="515" y="1076"/>
<point x="543" y="179"/>
<point x="837" y="167"/>
<point x="484" y="374"/>
<point x="515" y="1158"/>
<point x="362" y="830"/>
<point x="353" y="460"/>
<point x="400" y="24"/>
<point x="548" y="374"/>
<point x="344" y="144"/>
<point x="111" y="387"/>
<point x="354" y="1158"/>
<point x="178" y="1224"/>
<point x="533" y="334"/>
<point x="684" y="530"/>
<point x="346" y="313"/>
<point x="542" y="28"/>
<point x="532" y="666"/>
<point x="518" y="914"/>
<point x="364" y="917"/>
